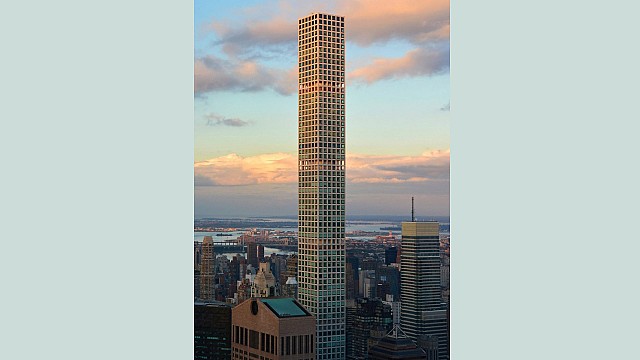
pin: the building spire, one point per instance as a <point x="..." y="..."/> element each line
<point x="413" y="218"/>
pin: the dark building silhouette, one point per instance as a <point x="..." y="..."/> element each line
<point x="260" y="250"/>
<point x="396" y="346"/>
<point x="391" y="276"/>
<point x="370" y="263"/>
<point x="429" y="344"/>
<point x="351" y="283"/>
<point x="382" y="290"/>
<point x="234" y="269"/>
<point x="197" y="254"/>
<point x="221" y="287"/>
<point x="252" y="253"/>
<point x="280" y="265"/>
<point x="355" y="264"/>
<point x="196" y="283"/>
<point x="368" y="321"/>
<point x="212" y="331"/>
<point x="390" y="255"/>
<point x="350" y="318"/>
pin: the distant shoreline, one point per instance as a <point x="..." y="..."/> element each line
<point x="352" y="218"/>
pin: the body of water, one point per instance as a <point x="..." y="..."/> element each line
<point x="368" y="226"/>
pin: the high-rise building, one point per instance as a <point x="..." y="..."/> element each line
<point x="196" y="283"/>
<point x="367" y="286"/>
<point x="252" y="253"/>
<point x="260" y="251"/>
<point x="207" y="270"/>
<point x="321" y="178"/>
<point x="390" y="255"/>
<point x="197" y="254"/>
<point x="290" y="288"/>
<point x="350" y="281"/>
<point x="274" y="328"/>
<point x="291" y="269"/>
<point x="212" y="331"/>
<point x="369" y="321"/>
<point x="395" y="308"/>
<point x="391" y="276"/>
<point x="422" y="310"/>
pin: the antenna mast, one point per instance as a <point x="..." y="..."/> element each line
<point x="413" y="218"/>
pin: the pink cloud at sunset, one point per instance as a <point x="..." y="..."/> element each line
<point x="370" y="21"/>
<point x="251" y="42"/>
<point x="398" y="169"/>
<point x="373" y="21"/>
<point x="414" y="63"/>
<point x="281" y="168"/>
<point x="232" y="169"/>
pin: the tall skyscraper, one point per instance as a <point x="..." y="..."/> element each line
<point x="422" y="310"/>
<point x="207" y="270"/>
<point x="252" y="254"/>
<point x="321" y="178"/>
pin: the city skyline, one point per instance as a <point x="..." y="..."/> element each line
<point x="397" y="73"/>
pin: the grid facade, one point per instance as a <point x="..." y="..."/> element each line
<point x="207" y="270"/>
<point x="321" y="178"/>
<point x="422" y="312"/>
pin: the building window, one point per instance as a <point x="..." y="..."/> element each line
<point x="288" y="347"/>
<point x="253" y="339"/>
<point x="293" y="345"/>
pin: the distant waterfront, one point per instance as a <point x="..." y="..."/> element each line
<point x="358" y="224"/>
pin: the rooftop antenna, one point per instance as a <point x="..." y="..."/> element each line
<point x="413" y="218"/>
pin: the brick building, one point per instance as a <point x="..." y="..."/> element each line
<point x="272" y="328"/>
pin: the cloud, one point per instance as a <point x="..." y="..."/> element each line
<point x="367" y="22"/>
<point x="201" y="180"/>
<point x="276" y="34"/>
<point x="234" y="170"/>
<point x="281" y="168"/>
<point x="429" y="166"/>
<point x="268" y="31"/>
<point x="415" y="62"/>
<point x="214" y="119"/>
<point x="372" y="21"/>
<point x="212" y="73"/>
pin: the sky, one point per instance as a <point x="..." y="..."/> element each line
<point x="397" y="106"/>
